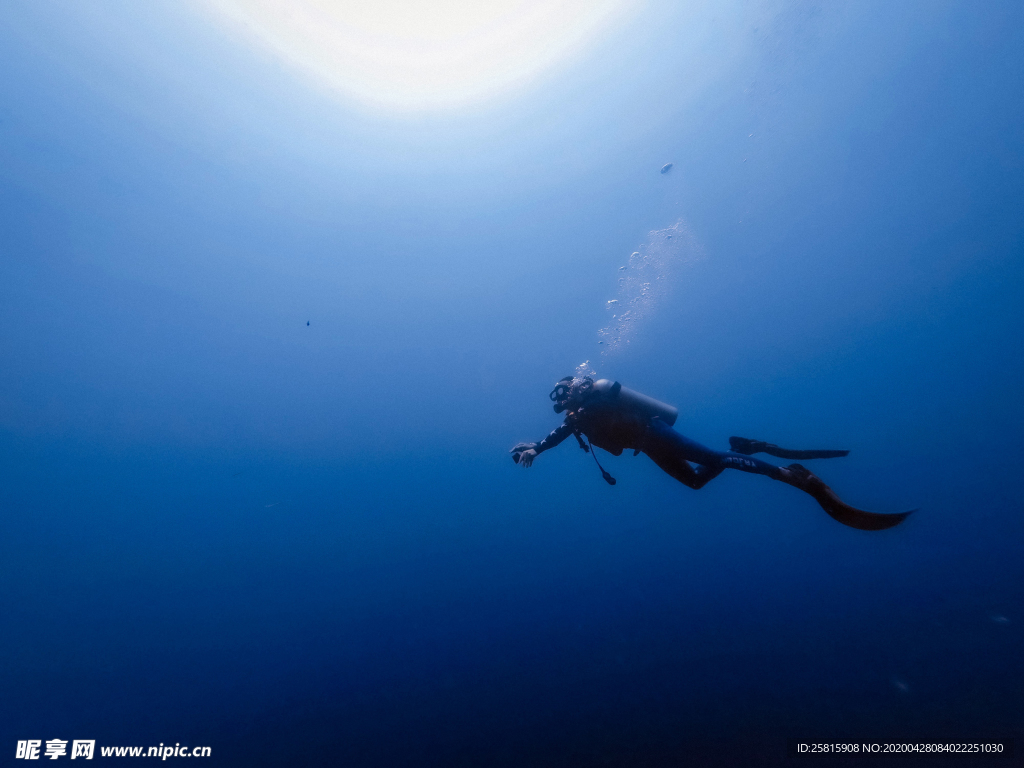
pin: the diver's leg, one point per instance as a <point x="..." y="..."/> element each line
<point x="669" y="455"/>
<point x="672" y="451"/>
<point x="690" y="450"/>
<point x="678" y="468"/>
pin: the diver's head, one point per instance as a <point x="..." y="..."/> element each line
<point x="569" y="392"/>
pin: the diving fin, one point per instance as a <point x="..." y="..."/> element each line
<point x="749" y="447"/>
<point x="802" y="478"/>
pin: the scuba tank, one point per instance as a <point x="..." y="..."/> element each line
<point x="627" y="399"/>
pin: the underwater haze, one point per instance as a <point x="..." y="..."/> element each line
<point x="266" y="340"/>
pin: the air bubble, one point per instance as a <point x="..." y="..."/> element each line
<point x="645" y="280"/>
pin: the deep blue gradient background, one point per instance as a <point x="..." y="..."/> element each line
<point x="306" y="545"/>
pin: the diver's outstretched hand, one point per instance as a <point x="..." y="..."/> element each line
<point x="526" y="458"/>
<point x="524" y="454"/>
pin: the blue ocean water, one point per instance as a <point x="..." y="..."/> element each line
<point x="263" y="355"/>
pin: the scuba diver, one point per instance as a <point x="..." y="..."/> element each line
<point x="612" y="417"/>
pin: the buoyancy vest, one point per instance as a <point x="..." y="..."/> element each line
<point x="615" y="418"/>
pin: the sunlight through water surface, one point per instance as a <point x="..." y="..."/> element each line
<point x="409" y="56"/>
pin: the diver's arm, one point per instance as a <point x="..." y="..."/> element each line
<point x="525" y="453"/>
<point x="558" y="434"/>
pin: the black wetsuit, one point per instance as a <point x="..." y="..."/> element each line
<point x="610" y="423"/>
<point x="616" y="430"/>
